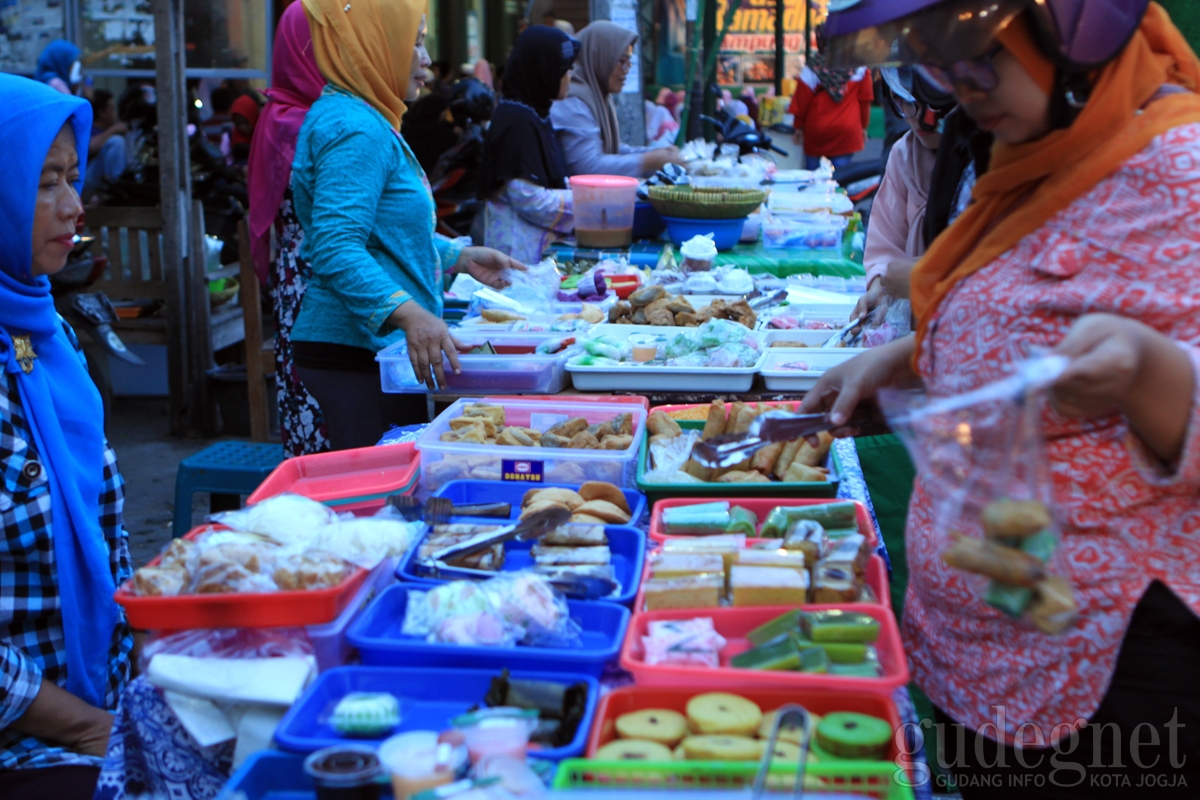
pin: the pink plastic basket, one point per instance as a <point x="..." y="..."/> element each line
<point x="351" y="480"/>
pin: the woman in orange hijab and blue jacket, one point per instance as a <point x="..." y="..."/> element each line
<point x="1081" y="240"/>
<point x="368" y="217"/>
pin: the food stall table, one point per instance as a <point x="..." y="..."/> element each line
<point x="782" y="263"/>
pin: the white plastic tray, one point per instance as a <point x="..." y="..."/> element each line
<point x="810" y="339"/>
<point x="819" y="361"/>
<point x="631" y="377"/>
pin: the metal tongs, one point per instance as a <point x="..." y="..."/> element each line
<point x="535" y="526"/>
<point x="768" y="300"/>
<point x="720" y="452"/>
<point x="790" y="714"/>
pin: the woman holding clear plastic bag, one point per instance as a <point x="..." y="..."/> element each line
<point x="1080" y="240"/>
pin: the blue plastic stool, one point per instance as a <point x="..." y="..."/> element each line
<point x="230" y="468"/>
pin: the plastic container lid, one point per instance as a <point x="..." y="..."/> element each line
<point x="344" y="767"/>
<point x="604" y="181"/>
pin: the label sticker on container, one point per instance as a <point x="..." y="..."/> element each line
<point x="522" y="471"/>
<point x="544" y="422"/>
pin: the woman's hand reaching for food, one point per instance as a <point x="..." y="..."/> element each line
<point x="489" y="267"/>
<point x="841" y="389"/>
<point x="428" y="338"/>
<point x="1121" y="365"/>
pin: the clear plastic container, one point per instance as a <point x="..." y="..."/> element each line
<point x="603" y="210"/>
<point x="345" y="772"/>
<point x="805" y="232"/>
<point x="416" y="762"/>
<point x="329" y="640"/>
<point x="515" y="367"/>
<point x="501" y="731"/>
<point x="530" y="464"/>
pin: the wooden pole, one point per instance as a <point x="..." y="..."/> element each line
<point x="780" y="60"/>
<point x="175" y="184"/>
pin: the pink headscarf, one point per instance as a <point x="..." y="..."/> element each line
<point x="297" y="85"/>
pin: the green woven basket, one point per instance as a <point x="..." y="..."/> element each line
<point x="688" y="203"/>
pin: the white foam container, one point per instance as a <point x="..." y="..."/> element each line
<point x="484" y="461"/>
<point x="641" y="377"/>
<point x="788" y="380"/>
<point x="329" y="640"/>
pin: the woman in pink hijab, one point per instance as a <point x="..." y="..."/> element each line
<point x="296" y="84"/>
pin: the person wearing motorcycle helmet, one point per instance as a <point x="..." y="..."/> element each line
<point x="523" y="172"/>
<point x="1081" y="240"/>
<point x="896" y="235"/>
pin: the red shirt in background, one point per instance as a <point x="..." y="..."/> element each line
<point x="832" y="129"/>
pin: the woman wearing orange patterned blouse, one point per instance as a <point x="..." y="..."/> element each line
<point x="1081" y="239"/>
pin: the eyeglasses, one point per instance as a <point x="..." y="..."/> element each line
<point x="976" y="73"/>
<point x="625" y="62"/>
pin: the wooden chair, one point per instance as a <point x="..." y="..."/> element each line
<point x="260" y="354"/>
<point x="131" y="238"/>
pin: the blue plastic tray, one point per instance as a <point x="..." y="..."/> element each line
<point x="377" y="636"/>
<point x="467" y="492"/>
<point x="429" y="699"/>
<point x="270" y="775"/>
<point x="627" y="545"/>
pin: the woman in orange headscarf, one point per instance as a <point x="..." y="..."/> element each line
<point x="368" y="218"/>
<point x="1081" y="240"/>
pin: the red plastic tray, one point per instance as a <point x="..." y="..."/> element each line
<point x="876" y="577"/>
<point x="636" y="698"/>
<point x="247" y="610"/>
<point x="760" y="506"/>
<point x="734" y="624"/>
<point x="351" y="480"/>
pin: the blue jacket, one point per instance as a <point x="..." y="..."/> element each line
<point x="368" y="218"/>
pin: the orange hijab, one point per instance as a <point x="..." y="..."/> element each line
<point x="366" y="47"/>
<point x="1065" y="164"/>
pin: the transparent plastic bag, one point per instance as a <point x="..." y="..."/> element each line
<point x="891" y="319"/>
<point x="228" y="643"/>
<point x="982" y="459"/>
<point x="527" y="601"/>
<point x="286" y="518"/>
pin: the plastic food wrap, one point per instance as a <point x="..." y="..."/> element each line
<point x="691" y="642"/>
<point x="517" y="607"/>
<point x="286" y="518"/>
<point x="982" y="457"/>
<point x="228" y="643"/>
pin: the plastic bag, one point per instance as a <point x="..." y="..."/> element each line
<point x="286" y="518"/>
<point x="891" y="319"/>
<point x="982" y="459"/>
<point x="228" y="643"/>
<point x="517" y="607"/>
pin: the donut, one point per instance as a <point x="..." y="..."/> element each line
<point x="634" y="750"/>
<point x="722" y="748"/>
<point x="719" y="712"/>
<point x="654" y="725"/>
<point x="849" y="735"/>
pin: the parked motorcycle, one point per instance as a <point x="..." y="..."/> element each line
<point x="749" y="140"/>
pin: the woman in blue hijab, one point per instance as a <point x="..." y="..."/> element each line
<point x="64" y="643"/>
<point x="58" y="66"/>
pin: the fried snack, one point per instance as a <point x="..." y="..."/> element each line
<point x="602" y="509"/>
<point x="591" y="313"/>
<point x="743" y="477"/>
<point x="251" y="556"/>
<point x="550" y="440"/>
<point x="312" y="569"/>
<point x="160" y="581"/>
<point x="515" y="437"/>
<point x="625" y="425"/>
<point x="448" y="436"/>
<point x="599" y="490"/>
<point x="576" y="536"/>
<point x="740" y="418"/>
<point x="500" y="315"/>
<point x="177" y="553"/>
<point x="698" y="470"/>
<point x="1014" y="519"/>
<point x="566" y="472"/>
<point x="444" y="471"/>
<point x="802" y="473"/>
<point x="787" y="457"/>
<point x="540" y="505"/>
<point x="569" y="428"/>
<point x="619" y="311"/>
<point x="764" y="460"/>
<point x="226" y="578"/>
<point x="658" y="314"/>
<point x="584" y="441"/>
<point x="486" y="410"/>
<point x="566" y="497"/>
<point x="660" y="424"/>
<point x="646" y="295"/>
<point x="686" y="319"/>
<point x="1000" y="563"/>
<point x="588" y="518"/>
<point x="1053" y="609"/>
<point x="679" y="305"/>
<point x="488" y="425"/>
<point x="714" y="425"/>
<point x="639" y="316"/>
<point x="613" y="442"/>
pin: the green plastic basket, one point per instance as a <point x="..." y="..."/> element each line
<point x="662" y="491"/>
<point x="871" y="778"/>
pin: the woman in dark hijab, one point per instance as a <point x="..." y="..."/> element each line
<point x="523" y="178"/>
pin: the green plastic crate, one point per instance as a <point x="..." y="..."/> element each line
<point x="875" y="779"/>
<point x="662" y="491"/>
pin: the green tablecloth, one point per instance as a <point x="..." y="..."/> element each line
<point x="757" y="260"/>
